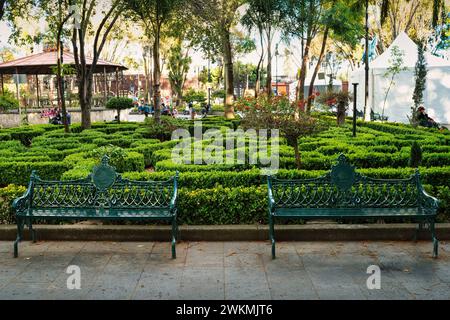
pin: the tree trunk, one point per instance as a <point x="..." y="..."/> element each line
<point x="341" y="113"/>
<point x="316" y="71"/>
<point x="229" y="86"/>
<point x="258" y="68"/>
<point x="156" y="78"/>
<point x="302" y="77"/>
<point x="297" y="154"/>
<point x="85" y="96"/>
<point x="269" y="65"/>
<point x="118" y="115"/>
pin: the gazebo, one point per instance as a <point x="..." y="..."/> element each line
<point x="44" y="63"/>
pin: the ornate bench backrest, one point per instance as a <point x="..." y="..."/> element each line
<point x="103" y="188"/>
<point x="344" y="187"/>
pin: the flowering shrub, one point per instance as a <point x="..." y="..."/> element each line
<point x="279" y="113"/>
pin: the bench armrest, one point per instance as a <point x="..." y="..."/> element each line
<point x="22" y="203"/>
<point x="428" y="202"/>
<point x="270" y="194"/>
<point x="173" y="200"/>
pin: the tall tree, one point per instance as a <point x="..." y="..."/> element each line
<point x="215" y="21"/>
<point x="178" y="65"/>
<point x="303" y="22"/>
<point x="155" y="16"/>
<point x="89" y="12"/>
<point x="342" y="22"/>
<point x="420" y="76"/>
<point x="266" y="16"/>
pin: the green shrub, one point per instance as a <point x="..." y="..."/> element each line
<point x="119" y="103"/>
<point x="119" y="158"/>
<point x="7" y="196"/>
<point x="8" y="101"/>
<point x="25" y="134"/>
<point x="4" y="136"/>
<point x="220" y="205"/>
<point x="20" y="172"/>
<point x="415" y="158"/>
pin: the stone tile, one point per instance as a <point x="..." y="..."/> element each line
<point x="243" y="247"/>
<point x="58" y="247"/>
<point x="244" y="260"/>
<point x="245" y="283"/>
<point x="206" y="247"/>
<point x="115" y="286"/>
<point x="291" y="285"/>
<point x="126" y="262"/>
<point x="25" y="291"/>
<point x="196" y="258"/>
<point x="87" y="260"/>
<point x="106" y="247"/>
<point x="200" y="283"/>
<point x="218" y="270"/>
<point x="166" y="247"/>
<point x="334" y="283"/>
<point x="159" y="284"/>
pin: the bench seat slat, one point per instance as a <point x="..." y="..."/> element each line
<point x="347" y="212"/>
<point x="98" y="213"/>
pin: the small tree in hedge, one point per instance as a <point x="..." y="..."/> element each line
<point x="278" y="113"/>
<point x="340" y="99"/>
<point x="119" y="103"/>
<point x="420" y="76"/>
<point x="416" y="155"/>
<point x="7" y="101"/>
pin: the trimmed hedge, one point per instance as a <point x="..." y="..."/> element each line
<point x="20" y="172"/>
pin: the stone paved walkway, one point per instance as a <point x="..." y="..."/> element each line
<point x="224" y="270"/>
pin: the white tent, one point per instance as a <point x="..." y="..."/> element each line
<point x="399" y="100"/>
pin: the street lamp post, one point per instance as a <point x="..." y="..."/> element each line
<point x="276" y="69"/>
<point x="355" y="90"/>
<point x="366" y="63"/>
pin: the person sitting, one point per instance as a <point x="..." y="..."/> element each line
<point x="424" y="120"/>
<point x="165" y="111"/>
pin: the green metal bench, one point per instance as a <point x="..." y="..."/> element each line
<point x="343" y="193"/>
<point x="103" y="195"/>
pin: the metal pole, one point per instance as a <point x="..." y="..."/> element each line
<point x="37" y="90"/>
<point x="63" y="100"/>
<point x="209" y="96"/>
<point x="355" y="90"/>
<point x="18" y="94"/>
<point x="105" y="89"/>
<point x="366" y="62"/>
<point x="117" y="82"/>
<point x="276" y="69"/>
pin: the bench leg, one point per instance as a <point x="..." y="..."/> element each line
<point x="174" y="237"/>
<point x="272" y="234"/>
<point x="19" y="238"/>
<point x="434" y="239"/>
<point x="418" y="229"/>
<point x="32" y="231"/>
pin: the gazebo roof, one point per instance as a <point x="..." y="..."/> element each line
<point x="42" y="63"/>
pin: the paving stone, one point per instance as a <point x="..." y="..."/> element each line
<point x="25" y="291"/>
<point x="196" y="258"/>
<point x="246" y="284"/>
<point x="291" y="285"/>
<point x="225" y="270"/>
<point x="199" y="283"/>
<point x="126" y="262"/>
<point x="114" y="286"/>
<point x="242" y="260"/>
<point x="159" y="284"/>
